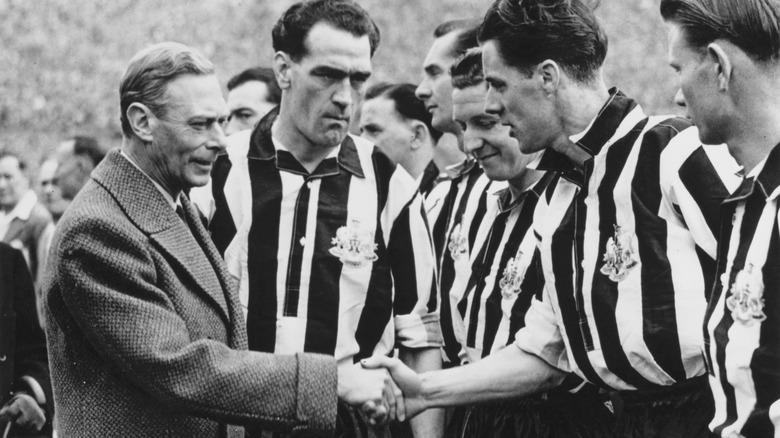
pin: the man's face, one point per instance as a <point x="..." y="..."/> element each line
<point x="519" y="102"/>
<point x="436" y="87"/>
<point x="188" y="139"/>
<point x="325" y="84"/>
<point x="381" y="124"/>
<point x="51" y="195"/>
<point x="485" y="138"/>
<point x="247" y="103"/>
<point x="70" y="175"/>
<point x="13" y="182"/>
<point x="698" y="91"/>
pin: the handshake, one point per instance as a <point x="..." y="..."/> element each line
<point x="384" y="388"/>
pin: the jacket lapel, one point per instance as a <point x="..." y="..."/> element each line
<point x="14" y="230"/>
<point x="146" y="207"/>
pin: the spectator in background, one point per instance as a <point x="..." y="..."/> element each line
<point x="23" y="220"/>
<point x="251" y="94"/>
<point x="396" y="121"/>
<point x="25" y="390"/>
<point x="65" y="172"/>
<point x="50" y="194"/>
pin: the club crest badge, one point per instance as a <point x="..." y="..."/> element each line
<point x="513" y="277"/>
<point x="354" y="245"/>
<point x="458" y="243"/>
<point x="619" y="258"/>
<point x="746" y="301"/>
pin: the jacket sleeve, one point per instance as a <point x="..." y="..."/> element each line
<point x="110" y="280"/>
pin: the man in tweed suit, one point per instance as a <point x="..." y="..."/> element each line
<point x="144" y="328"/>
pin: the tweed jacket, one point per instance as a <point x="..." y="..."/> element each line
<point x="23" y="363"/>
<point x="146" y="337"/>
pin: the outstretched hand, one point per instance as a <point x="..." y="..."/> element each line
<point x="406" y="379"/>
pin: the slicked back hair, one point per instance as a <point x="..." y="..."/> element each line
<point x="290" y="32"/>
<point x="260" y="74"/>
<point x="467" y="34"/>
<point x="528" y="32"/>
<point x="149" y="73"/>
<point x="405" y="102"/>
<point x="751" y="25"/>
<point x="466" y="71"/>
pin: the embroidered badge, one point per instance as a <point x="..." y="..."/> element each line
<point x="746" y="301"/>
<point x="513" y="277"/>
<point x="619" y="257"/>
<point x="458" y="244"/>
<point x="354" y="245"/>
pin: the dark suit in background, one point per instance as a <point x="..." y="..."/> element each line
<point x="23" y="364"/>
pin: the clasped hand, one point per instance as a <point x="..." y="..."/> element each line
<point x="24" y="412"/>
<point x="384" y="388"/>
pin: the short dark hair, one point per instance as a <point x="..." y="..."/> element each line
<point x="528" y="32"/>
<point x="290" y="32"/>
<point x="406" y="103"/>
<point x="467" y="34"/>
<point x="89" y="147"/>
<point x="466" y="71"/>
<point x="751" y="25"/>
<point x="150" y="71"/>
<point x="261" y="74"/>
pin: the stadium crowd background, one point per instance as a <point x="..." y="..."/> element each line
<point x="62" y="60"/>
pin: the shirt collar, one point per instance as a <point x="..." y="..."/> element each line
<point x="168" y="198"/>
<point x="505" y="201"/>
<point x="766" y="175"/>
<point x="24" y="207"/>
<point x="264" y="147"/>
<point x="462" y="168"/>
<point x="591" y="140"/>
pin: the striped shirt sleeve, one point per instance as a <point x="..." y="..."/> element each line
<point x="412" y="258"/>
<point x="541" y="335"/>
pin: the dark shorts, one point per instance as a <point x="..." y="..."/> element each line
<point x="555" y="414"/>
<point x="682" y="410"/>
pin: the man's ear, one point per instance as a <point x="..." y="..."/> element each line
<point x="549" y="73"/>
<point x="282" y="64"/>
<point x="141" y="121"/>
<point x="420" y="134"/>
<point x="721" y="64"/>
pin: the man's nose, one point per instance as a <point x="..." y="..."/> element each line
<point x="492" y="104"/>
<point x="471" y="143"/>
<point x="343" y="95"/>
<point x="423" y="91"/>
<point x="219" y="138"/>
<point x="679" y="98"/>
